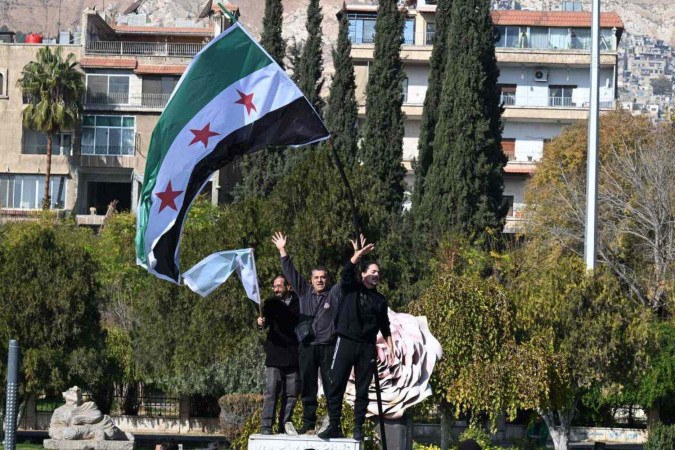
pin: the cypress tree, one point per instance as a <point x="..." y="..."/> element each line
<point x="310" y="70"/>
<point x="382" y="146"/>
<point x="432" y="100"/>
<point x="464" y="184"/>
<point x="341" y="108"/>
<point x="261" y="170"/>
<point x="271" y="38"/>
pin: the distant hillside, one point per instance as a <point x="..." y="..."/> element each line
<point x="654" y="18"/>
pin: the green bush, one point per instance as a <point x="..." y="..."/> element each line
<point x="236" y="411"/>
<point x="418" y="446"/>
<point x="252" y="425"/>
<point x="661" y="437"/>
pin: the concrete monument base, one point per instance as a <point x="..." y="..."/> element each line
<point x="284" y="442"/>
<point x="89" y="444"/>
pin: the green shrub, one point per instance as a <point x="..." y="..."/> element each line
<point x="236" y="411"/>
<point x="252" y="425"/>
<point x="661" y="437"/>
<point x="418" y="446"/>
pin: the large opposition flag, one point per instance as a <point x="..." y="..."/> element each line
<point x="233" y="99"/>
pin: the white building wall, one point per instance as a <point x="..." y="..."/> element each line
<point x="514" y="185"/>
<point x="418" y="81"/>
<point x="410" y="139"/>
<point x="530" y="137"/>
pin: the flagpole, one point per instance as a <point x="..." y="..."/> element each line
<point x="357" y="236"/>
<point x="257" y="287"/>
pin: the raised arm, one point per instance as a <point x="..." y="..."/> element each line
<point x="348" y="278"/>
<point x="300" y="285"/>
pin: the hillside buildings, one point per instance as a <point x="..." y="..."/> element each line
<point x="544" y="62"/>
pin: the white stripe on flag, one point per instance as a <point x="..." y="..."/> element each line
<point x="271" y="89"/>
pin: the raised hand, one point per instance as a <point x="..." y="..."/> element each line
<point x="279" y="241"/>
<point x="364" y="250"/>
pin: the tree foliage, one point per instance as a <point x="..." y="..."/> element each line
<point x="381" y="149"/>
<point x="466" y="172"/>
<point x="50" y="301"/>
<point x="432" y="99"/>
<point x="341" y="108"/>
<point x="636" y="202"/>
<point x="271" y="38"/>
<point x="54" y="89"/>
<point x="310" y="68"/>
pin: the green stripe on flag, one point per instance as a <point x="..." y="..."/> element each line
<point x="232" y="58"/>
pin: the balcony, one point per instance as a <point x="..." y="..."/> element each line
<point x="143" y="48"/>
<point x="507" y="99"/>
<point x="429" y="38"/>
<point x="125" y="101"/>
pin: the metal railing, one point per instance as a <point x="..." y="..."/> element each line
<point x="507" y="99"/>
<point x="559" y="102"/>
<point x="151" y="101"/>
<point x="144" y="48"/>
<point x="148" y="406"/>
<point x="108" y="150"/>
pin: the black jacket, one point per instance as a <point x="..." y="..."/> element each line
<point x="363" y="312"/>
<point x="281" y="345"/>
<point x="324" y="305"/>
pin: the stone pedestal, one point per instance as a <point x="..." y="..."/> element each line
<point x="89" y="444"/>
<point x="283" y="442"/>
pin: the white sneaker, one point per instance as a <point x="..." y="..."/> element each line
<point x="290" y="429"/>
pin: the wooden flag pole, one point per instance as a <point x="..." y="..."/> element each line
<point x="357" y="237"/>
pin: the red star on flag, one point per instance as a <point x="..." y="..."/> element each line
<point x="247" y="101"/>
<point x="168" y="197"/>
<point x="203" y="135"/>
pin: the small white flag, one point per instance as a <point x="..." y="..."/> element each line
<point x="215" y="269"/>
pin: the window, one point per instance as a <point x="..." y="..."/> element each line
<point x="107" y="89"/>
<point x="508" y="201"/>
<point x="27" y="191"/>
<point x="35" y="143"/>
<point x="509" y="148"/>
<point x="580" y="38"/>
<point x="409" y="31"/>
<point x="108" y="135"/>
<point x="508" y="94"/>
<point x="361" y="28"/>
<point x="157" y="90"/>
<point x="405" y="90"/>
<point x="431" y="33"/>
<point x="2" y="83"/>
<point x="511" y="37"/>
<point x="560" y="95"/>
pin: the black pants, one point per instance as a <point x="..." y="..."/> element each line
<point x="312" y="359"/>
<point x="361" y="356"/>
<point x="281" y="383"/>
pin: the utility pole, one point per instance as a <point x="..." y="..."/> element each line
<point x="12" y="394"/>
<point x="592" y="165"/>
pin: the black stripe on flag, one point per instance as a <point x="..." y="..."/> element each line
<point x="294" y="124"/>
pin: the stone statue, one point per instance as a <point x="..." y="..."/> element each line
<point x="80" y="421"/>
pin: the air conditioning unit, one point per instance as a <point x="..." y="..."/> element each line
<point x="540" y="74"/>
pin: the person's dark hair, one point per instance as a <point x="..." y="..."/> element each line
<point x="319" y="268"/>
<point x="364" y="265"/>
<point x="276" y="277"/>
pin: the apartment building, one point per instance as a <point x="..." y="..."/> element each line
<point x="130" y="72"/>
<point x="544" y="62"/>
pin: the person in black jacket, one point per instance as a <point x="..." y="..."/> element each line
<point x="318" y="306"/>
<point x="363" y="312"/>
<point x="280" y="316"/>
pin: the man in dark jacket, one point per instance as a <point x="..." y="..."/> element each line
<point x="363" y="312"/>
<point x="280" y="316"/>
<point x="318" y="306"/>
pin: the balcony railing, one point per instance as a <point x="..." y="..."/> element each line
<point x="507" y="99"/>
<point x="429" y="38"/>
<point x="549" y="101"/>
<point x="143" y="101"/>
<point x="108" y="150"/>
<point x="143" y="48"/>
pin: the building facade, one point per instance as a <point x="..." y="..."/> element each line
<point x="544" y="62"/>
<point x="130" y="72"/>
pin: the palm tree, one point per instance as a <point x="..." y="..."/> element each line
<point x="54" y="89"/>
